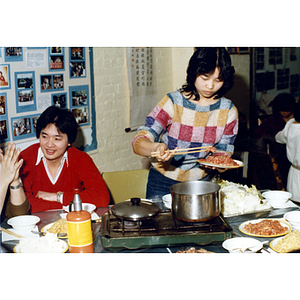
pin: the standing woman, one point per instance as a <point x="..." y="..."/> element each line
<point x="290" y="136"/>
<point x="196" y="115"/>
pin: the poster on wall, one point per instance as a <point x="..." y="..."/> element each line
<point x="4" y="77"/>
<point x="25" y="91"/>
<point x="4" y="130"/>
<point x="141" y="77"/>
<point x="13" y="54"/>
<point x="79" y="103"/>
<point x="56" y="59"/>
<point x="77" y="62"/>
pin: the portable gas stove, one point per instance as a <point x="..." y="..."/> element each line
<point x="163" y="230"/>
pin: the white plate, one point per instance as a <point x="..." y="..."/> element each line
<point x="46" y="227"/>
<point x="282" y="223"/>
<point x="8" y="237"/>
<point x="64" y="244"/>
<point x="240" y="164"/>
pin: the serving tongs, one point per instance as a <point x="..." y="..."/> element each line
<point x="186" y="151"/>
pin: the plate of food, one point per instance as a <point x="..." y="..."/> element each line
<point x="221" y="161"/>
<point x="288" y="243"/>
<point x="265" y="227"/>
<point x="59" y="226"/>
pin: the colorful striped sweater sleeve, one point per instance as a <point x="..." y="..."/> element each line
<point x="180" y="123"/>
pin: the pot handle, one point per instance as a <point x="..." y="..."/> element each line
<point x="135" y="201"/>
<point x="70" y="206"/>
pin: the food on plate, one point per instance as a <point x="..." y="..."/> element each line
<point x="45" y="244"/>
<point x="193" y="250"/>
<point x="223" y="160"/>
<point x="60" y="226"/>
<point x="240" y="199"/>
<point x="265" y="227"/>
<point x="290" y="242"/>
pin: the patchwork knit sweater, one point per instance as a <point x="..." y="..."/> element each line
<point x="178" y="122"/>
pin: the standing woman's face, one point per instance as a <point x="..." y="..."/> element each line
<point x="53" y="143"/>
<point x="208" y="84"/>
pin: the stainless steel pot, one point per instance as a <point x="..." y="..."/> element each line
<point x="195" y="201"/>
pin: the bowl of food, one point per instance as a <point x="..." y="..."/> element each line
<point x="167" y="199"/>
<point x="23" y="224"/>
<point x="277" y="199"/>
<point x="242" y="245"/>
<point x="85" y="206"/>
<point x="293" y="217"/>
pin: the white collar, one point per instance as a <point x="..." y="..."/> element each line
<point x="41" y="155"/>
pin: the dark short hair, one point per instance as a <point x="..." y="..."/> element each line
<point x="63" y="119"/>
<point x="283" y="102"/>
<point x="204" y="61"/>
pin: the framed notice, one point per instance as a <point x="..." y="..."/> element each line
<point x="25" y="91"/>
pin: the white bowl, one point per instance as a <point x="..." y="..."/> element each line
<point x="277" y="199"/>
<point x="167" y="199"/>
<point x="23" y="223"/>
<point x="85" y="206"/>
<point x="239" y="244"/>
<point x="293" y="217"/>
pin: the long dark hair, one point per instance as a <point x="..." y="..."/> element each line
<point x="63" y="119"/>
<point x="204" y="61"/>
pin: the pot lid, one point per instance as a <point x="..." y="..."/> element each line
<point x="135" y="209"/>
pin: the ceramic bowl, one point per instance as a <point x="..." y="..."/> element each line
<point x="277" y="199"/>
<point x="85" y="206"/>
<point x="242" y="245"/>
<point x="293" y="217"/>
<point x="24" y="223"/>
<point x="167" y="199"/>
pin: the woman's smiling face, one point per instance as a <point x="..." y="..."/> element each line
<point x="53" y="143"/>
<point x="208" y="84"/>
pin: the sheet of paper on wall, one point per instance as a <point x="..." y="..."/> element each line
<point x="43" y="102"/>
<point x="36" y="59"/>
<point x="142" y="84"/>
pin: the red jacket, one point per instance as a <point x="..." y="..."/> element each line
<point x="81" y="172"/>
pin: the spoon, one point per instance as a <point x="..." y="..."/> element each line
<point x="60" y="234"/>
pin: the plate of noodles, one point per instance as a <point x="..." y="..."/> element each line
<point x="59" y="226"/>
<point x="287" y="243"/>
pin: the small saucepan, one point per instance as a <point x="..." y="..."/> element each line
<point x="195" y="201"/>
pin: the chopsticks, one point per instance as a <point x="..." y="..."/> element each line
<point x="11" y="233"/>
<point x="184" y="151"/>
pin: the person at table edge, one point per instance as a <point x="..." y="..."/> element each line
<point x="53" y="168"/>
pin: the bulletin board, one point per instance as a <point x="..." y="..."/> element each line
<point x="32" y="79"/>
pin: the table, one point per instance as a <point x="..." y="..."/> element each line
<point x="53" y="215"/>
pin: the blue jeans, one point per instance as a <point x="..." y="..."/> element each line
<point x="158" y="184"/>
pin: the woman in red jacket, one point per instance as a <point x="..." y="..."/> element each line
<point x="52" y="169"/>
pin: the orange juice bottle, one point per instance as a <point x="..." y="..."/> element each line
<point x="80" y="236"/>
